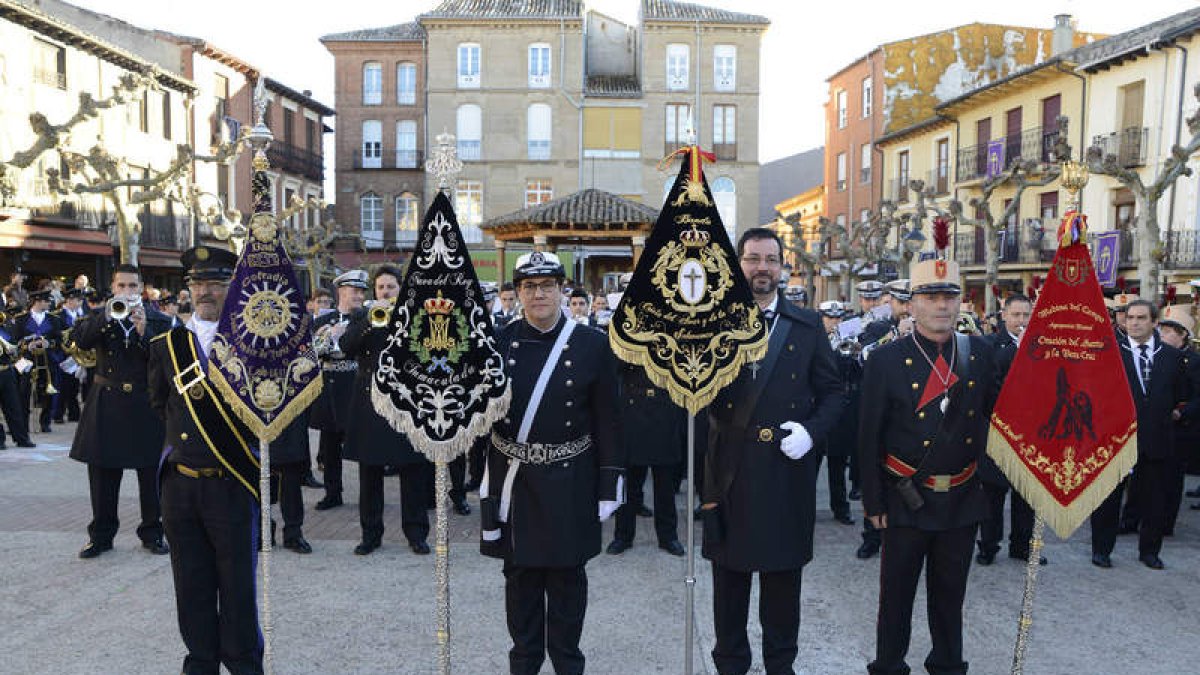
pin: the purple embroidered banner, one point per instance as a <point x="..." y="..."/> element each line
<point x="995" y="158"/>
<point x="1107" y="255"/>
<point x="262" y="359"/>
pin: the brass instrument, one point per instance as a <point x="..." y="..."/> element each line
<point x="849" y="347"/>
<point x="38" y="348"/>
<point x="380" y="314"/>
<point x="119" y="309"/>
<point x="86" y="358"/>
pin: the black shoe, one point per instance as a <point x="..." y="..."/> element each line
<point x="299" y="545"/>
<point x="462" y="508"/>
<point x="855" y="494"/>
<point x="644" y="512"/>
<point x="310" y="481"/>
<point x="419" y="547"/>
<point x="618" y="546"/>
<point x="985" y="557"/>
<point x="1101" y="560"/>
<point x="26" y="444"/>
<point x="1024" y="557"/>
<point x="155" y="546"/>
<point x="1193" y="493"/>
<point x="867" y="550"/>
<point x="93" y="550"/>
<point x="843" y="518"/>
<point x="471" y="486"/>
<point x="674" y="547"/>
<point x="328" y="503"/>
<point x="1152" y="561"/>
<point x="45" y="428"/>
<point x="365" y="547"/>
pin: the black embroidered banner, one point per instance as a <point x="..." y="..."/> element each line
<point x="688" y="316"/>
<point x="441" y="380"/>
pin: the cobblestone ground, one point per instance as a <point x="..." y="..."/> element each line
<point x="335" y="612"/>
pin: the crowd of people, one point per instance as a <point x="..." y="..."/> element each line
<point x="869" y="393"/>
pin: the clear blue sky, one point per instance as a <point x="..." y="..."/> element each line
<point x="807" y="41"/>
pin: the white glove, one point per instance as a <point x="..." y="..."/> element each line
<point x="607" y="508"/>
<point x="797" y="443"/>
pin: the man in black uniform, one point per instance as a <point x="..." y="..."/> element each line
<point x="760" y="481"/>
<point x="1016" y="313"/>
<point x="841" y="443"/>
<point x="39" y="335"/>
<point x="209" y="482"/>
<point x="554" y="470"/>
<point x="371" y="441"/>
<point x="118" y="430"/>
<point x="926" y="401"/>
<point x="655" y="435"/>
<point x="289" y="463"/>
<point x="10" y="392"/>
<point x="508" y="305"/>
<point x="332" y="408"/>
<point x="67" y="404"/>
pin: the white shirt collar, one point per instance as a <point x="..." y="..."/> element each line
<point x="774" y="306"/>
<point x="38" y="317"/>
<point x="1135" y="346"/>
<point x="204" y="331"/>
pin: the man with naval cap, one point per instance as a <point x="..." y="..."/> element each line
<point x="209" y="479"/>
<point x="926" y="400"/>
<point x="331" y="410"/>
<point x="553" y="471"/>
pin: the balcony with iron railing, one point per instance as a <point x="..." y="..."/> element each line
<point x="288" y="158"/>
<point x="1031" y="144"/>
<point x="1019" y="244"/>
<point x="1128" y="146"/>
<point x="725" y="151"/>
<point x="403" y="160"/>
<point x="470" y="151"/>
<point x="939" y="181"/>
<point x="538" y="151"/>
<point x="898" y="190"/>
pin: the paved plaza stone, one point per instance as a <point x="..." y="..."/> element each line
<point x="337" y="613"/>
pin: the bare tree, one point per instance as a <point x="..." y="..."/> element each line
<point x="99" y="172"/>
<point x="811" y="260"/>
<point x="1151" y="249"/>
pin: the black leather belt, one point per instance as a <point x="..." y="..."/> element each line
<point x="127" y="387"/>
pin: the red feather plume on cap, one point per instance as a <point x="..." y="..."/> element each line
<point x="1170" y="295"/>
<point x="1121" y="283"/>
<point x="1031" y="292"/>
<point x="1037" y="281"/>
<point x="996" y="290"/>
<point x="941" y="233"/>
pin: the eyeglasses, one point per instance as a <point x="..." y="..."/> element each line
<point x="534" y="287"/>
<point x="755" y="261"/>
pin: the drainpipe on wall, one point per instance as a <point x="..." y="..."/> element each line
<point x="1178" y="133"/>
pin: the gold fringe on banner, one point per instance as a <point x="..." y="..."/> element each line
<point x="287" y="414"/>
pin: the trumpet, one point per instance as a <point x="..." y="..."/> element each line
<point x="86" y="358"/>
<point x="380" y="315"/>
<point x="119" y="308"/>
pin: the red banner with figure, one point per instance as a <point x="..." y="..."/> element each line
<point x="1064" y="429"/>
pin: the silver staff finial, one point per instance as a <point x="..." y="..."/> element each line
<point x="443" y="162"/>
<point x="260" y="136"/>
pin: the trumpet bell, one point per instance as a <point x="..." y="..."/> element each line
<point x="118" y="309"/>
<point x="380" y="316"/>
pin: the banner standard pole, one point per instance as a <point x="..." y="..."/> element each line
<point x="690" y="579"/>
<point x="264" y="560"/>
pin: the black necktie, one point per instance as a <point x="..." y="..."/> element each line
<point x="769" y="314"/>
<point x="1144" y="361"/>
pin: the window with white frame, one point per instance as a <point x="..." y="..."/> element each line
<point x="470" y="132"/>
<point x="408" y="217"/>
<point x="725" y="195"/>
<point x="406" y="144"/>
<point x="841" y="109"/>
<point x="468" y="66"/>
<point x="841" y="171"/>
<point x="539" y="65"/>
<point x="679" y="119"/>
<point x="406" y="83"/>
<point x="864" y="164"/>
<point x="868" y="96"/>
<point x="539" y="128"/>
<point x="371" y="220"/>
<point x="538" y="191"/>
<point x="372" y="83"/>
<point x="725" y="67"/>
<point x="725" y="131"/>
<point x="372" y="144"/>
<point x="677" y="67"/>
<point x="468" y="204"/>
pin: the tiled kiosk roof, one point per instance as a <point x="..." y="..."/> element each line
<point x="587" y="214"/>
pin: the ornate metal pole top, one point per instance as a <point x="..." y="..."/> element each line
<point x="443" y="162"/>
<point x="1074" y="178"/>
<point x="260" y="135"/>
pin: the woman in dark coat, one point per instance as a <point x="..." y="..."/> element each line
<point x="373" y="443"/>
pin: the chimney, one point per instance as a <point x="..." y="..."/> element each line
<point x="1064" y="34"/>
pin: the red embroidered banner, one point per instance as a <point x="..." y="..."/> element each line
<point x="1064" y="429"/>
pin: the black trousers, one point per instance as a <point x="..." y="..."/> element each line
<point x="104" y="484"/>
<point x="1175" y="488"/>
<point x="414" y="495"/>
<point x="458" y="481"/>
<point x="666" y="522"/>
<point x="778" y="612"/>
<point x="329" y="453"/>
<point x="946" y="558"/>
<point x="1148" y="485"/>
<point x="212" y="527"/>
<point x="29" y="398"/>
<point x="285" y="491"/>
<point x="476" y="459"/>
<point x="836" y="468"/>
<point x="67" y="401"/>
<point x="991" y="531"/>
<point x="545" y="608"/>
<point x="15" y="414"/>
